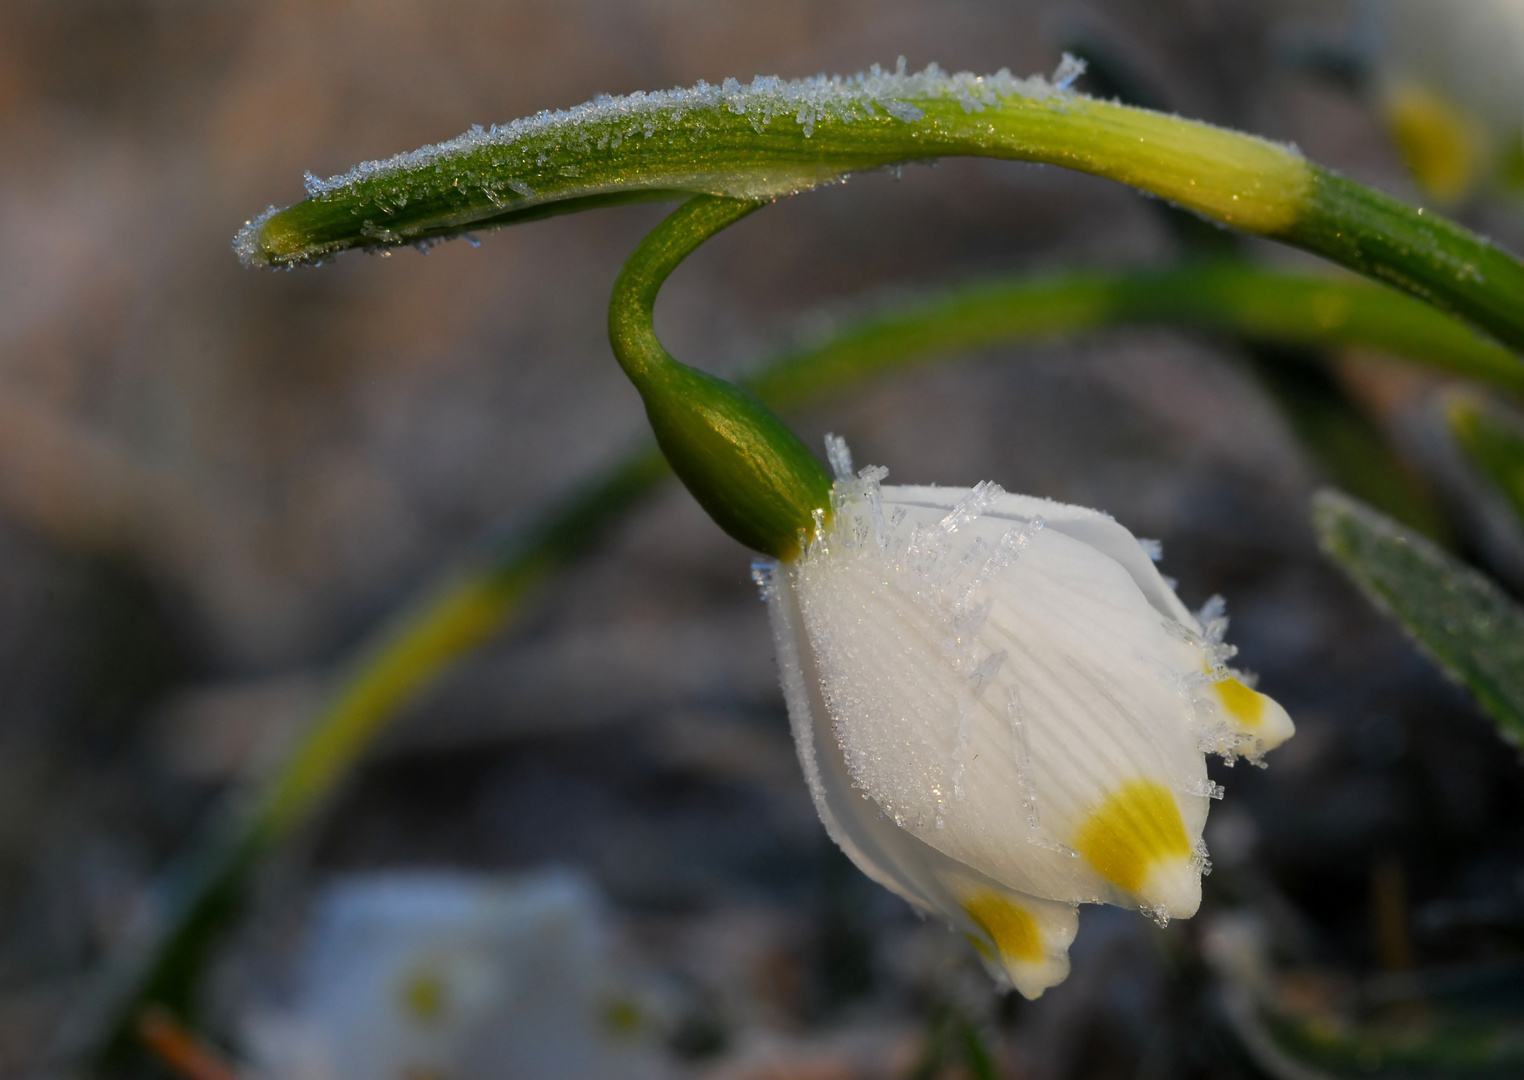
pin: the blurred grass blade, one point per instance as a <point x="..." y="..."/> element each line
<point x="1348" y="443"/>
<point x="389" y="670"/>
<point x="1231" y="298"/>
<point x="1460" y="618"/>
<point x="472" y="603"/>
<point x="1456" y="1023"/>
<point x="467" y="609"/>
<point x="976" y="1054"/>
<point x="1418" y="1042"/>
<point x="1494" y="444"/>
<point x="773" y="138"/>
<point x="951" y="1039"/>
<point x="1430" y="1048"/>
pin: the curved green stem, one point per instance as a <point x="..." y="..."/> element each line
<point x="633" y="300"/>
<point x="445" y="622"/>
<point x="745" y="467"/>
<point x="1421" y="253"/>
<point x="774" y="138"/>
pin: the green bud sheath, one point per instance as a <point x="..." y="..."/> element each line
<point x="746" y="469"/>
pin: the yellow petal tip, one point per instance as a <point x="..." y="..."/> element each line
<point x="1026" y="945"/>
<point x="1136" y="840"/>
<point x="1009" y="925"/>
<point x="1255" y="714"/>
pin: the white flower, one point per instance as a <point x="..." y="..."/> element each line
<point x="423" y="974"/>
<point x="1002" y="710"/>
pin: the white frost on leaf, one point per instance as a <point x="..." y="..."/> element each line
<point x="807" y="102"/>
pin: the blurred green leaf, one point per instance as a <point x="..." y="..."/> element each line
<point x="1349" y="446"/>
<point x="1459" y="617"/>
<point x="1411" y="1045"/>
<point x="1458" y="1022"/>
<point x="1493" y="442"/>
<point x="1228" y="297"/>
<point x="951" y="1039"/>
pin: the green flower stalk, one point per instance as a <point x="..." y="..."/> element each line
<point x="743" y="465"/>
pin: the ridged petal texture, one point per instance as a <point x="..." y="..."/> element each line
<point x="1003" y="710"/>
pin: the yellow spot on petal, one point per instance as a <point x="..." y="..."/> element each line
<point x="423" y="996"/>
<point x="1244" y="705"/>
<point x="1442" y="144"/>
<point x="1009" y="925"/>
<point x="1137" y="826"/>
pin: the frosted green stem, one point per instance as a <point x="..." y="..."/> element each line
<point x="775" y="138"/>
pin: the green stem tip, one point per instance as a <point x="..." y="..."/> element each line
<point x="744" y="466"/>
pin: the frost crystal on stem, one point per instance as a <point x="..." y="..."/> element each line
<point x="1003" y="710"/>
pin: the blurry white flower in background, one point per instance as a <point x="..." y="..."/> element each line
<point x="1002" y="710"/>
<point x="1451" y="78"/>
<point x="455" y="977"/>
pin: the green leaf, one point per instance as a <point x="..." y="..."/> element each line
<point x="1416" y="1039"/>
<point x="768" y="139"/>
<point x="1460" y="618"/>
<point x="1419" y="252"/>
<point x="1460" y="1022"/>
<point x="773" y="138"/>
<point x="1427" y="1048"/>
<point x="1493" y="441"/>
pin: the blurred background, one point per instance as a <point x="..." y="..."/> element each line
<point x="592" y="839"/>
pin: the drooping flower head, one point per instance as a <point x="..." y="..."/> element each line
<point x="1003" y="710"/>
<point x="1001" y="707"/>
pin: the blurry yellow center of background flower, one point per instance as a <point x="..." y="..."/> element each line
<point x="1009" y="926"/>
<point x="1135" y="827"/>
<point x="423" y="996"/>
<point x="1442" y="144"/>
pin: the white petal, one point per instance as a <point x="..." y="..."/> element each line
<point x="1100" y="531"/>
<point x="1002" y="707"/>
<point x="996" y="686"/>
<point x="1024" y="940"/>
